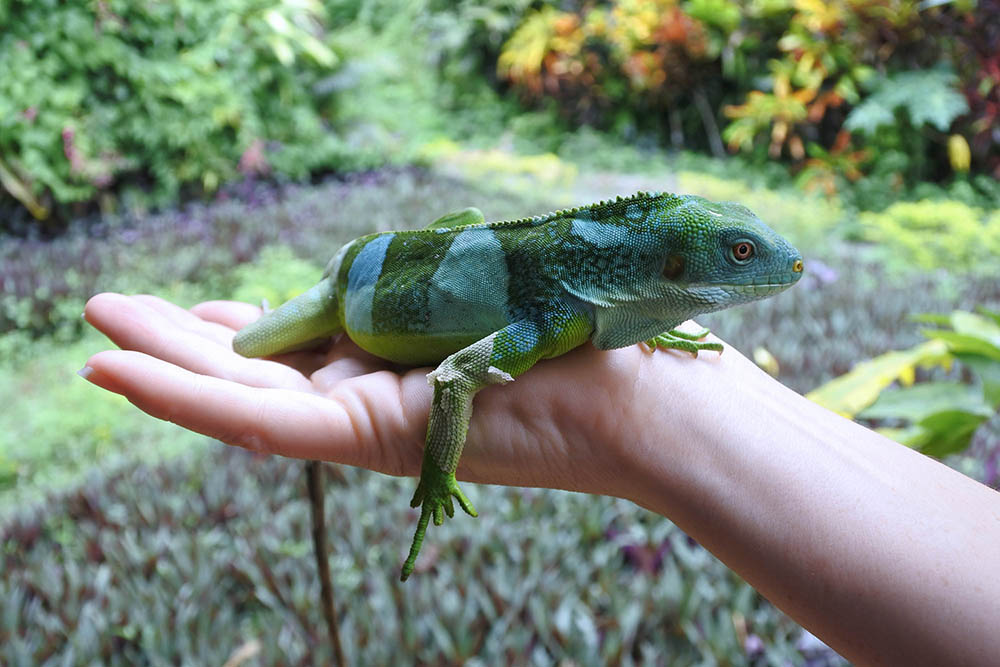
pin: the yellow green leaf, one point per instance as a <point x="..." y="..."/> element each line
<point x="20" y="191"/>
<point x="959" y="153"/>
<point x="852" y="392"/>
<point x="763" y="358"/>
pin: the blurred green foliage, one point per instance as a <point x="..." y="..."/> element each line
<point x="113" y="104"/>
<point x="111" y="96"/>
<point x="938" y="417"/>
<point x="274" y="277"/>
<point x="802" y="80"/>
<point x="55" y="427"/>
<point x="923" y="97"/>
<point x="934" y="234"/>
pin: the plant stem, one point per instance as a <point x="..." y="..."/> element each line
<point x="314" y="483"/>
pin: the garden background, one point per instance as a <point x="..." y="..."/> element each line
<point x="226" y="149"/>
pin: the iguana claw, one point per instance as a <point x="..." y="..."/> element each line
<point x="434" y="493"/>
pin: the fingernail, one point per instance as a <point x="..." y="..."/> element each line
<point x="85" y="372"/>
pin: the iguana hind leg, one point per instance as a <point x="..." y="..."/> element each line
<point x="455" y="383"/>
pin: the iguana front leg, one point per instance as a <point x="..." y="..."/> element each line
<point x="675" y="339"/>
<point x="496" y="359"/>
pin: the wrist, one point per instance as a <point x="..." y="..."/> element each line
<point x="687" y="446"/>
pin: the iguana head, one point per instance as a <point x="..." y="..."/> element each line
<point x="718" y="254"/>
<point x="678" y="247"/>
<point x="649" y="262"/>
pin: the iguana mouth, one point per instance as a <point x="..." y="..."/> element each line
<point x="748" y="291"/>
<point x="740" y="287"/>
<point x="767" y="284"/>
<point x="760" y="288"/>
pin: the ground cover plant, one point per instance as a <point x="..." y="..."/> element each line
<point x="219" y="558"/>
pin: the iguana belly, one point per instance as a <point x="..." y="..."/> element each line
<point x="414" y="349"/>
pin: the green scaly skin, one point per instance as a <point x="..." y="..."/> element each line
<point x="485" y="301"/>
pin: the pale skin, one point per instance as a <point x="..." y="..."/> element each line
<point x="888" y="556"/>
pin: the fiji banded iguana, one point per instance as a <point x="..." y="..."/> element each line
<point x="485" y="301"/>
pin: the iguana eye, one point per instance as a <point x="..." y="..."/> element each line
<point x="674" y="267"/>
<point x="742" y="251"/>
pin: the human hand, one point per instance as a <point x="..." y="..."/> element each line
<point x="571" y="422"/>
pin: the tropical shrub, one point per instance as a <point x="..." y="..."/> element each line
<point x="612" y="64"/>
<point x="103" y="97"/>
<point x="893" y="117"/>
<point x="935" y="234"/>
<point x="812" y="83"/>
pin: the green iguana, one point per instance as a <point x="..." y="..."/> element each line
<point x="487" y="300"/>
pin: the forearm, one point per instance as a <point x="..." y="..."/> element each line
<point x="884" y="553"/>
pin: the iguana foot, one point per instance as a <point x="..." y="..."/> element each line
<point x="433" y="495"/>
<point x="682" y="340"/>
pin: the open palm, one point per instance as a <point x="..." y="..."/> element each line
<point x="561" y="425"/>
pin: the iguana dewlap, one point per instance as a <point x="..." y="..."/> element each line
<point x="485" y="301"/>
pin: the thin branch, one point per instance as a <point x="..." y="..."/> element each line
<point x="708" y="120"/>
<point x="314" y="482"/>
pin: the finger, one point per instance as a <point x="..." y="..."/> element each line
<point x="133" y="322"/>
<point x="338" y="428"/>
<point x="336" y="362"/>
<point x="183" y="318"/>
<point x="187" y="320"/>
<point x="232" y="314"/>
<point x="344" y="360"/>
<point x="134" y="325"/>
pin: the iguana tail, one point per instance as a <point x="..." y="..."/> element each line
<point x="295" y="325"/>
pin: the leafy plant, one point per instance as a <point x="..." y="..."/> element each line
<point x="894" y="119"/>
<point x="921" y="97"/>
<point x="619" y="64"/>
<point x="828" y="169"/>
<point x="651" y="70"/>
<point x="106" y="97"/>
<point x="939" y="417"/>
<point x="206" y="557"/>
<point x="781" y="111"/>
